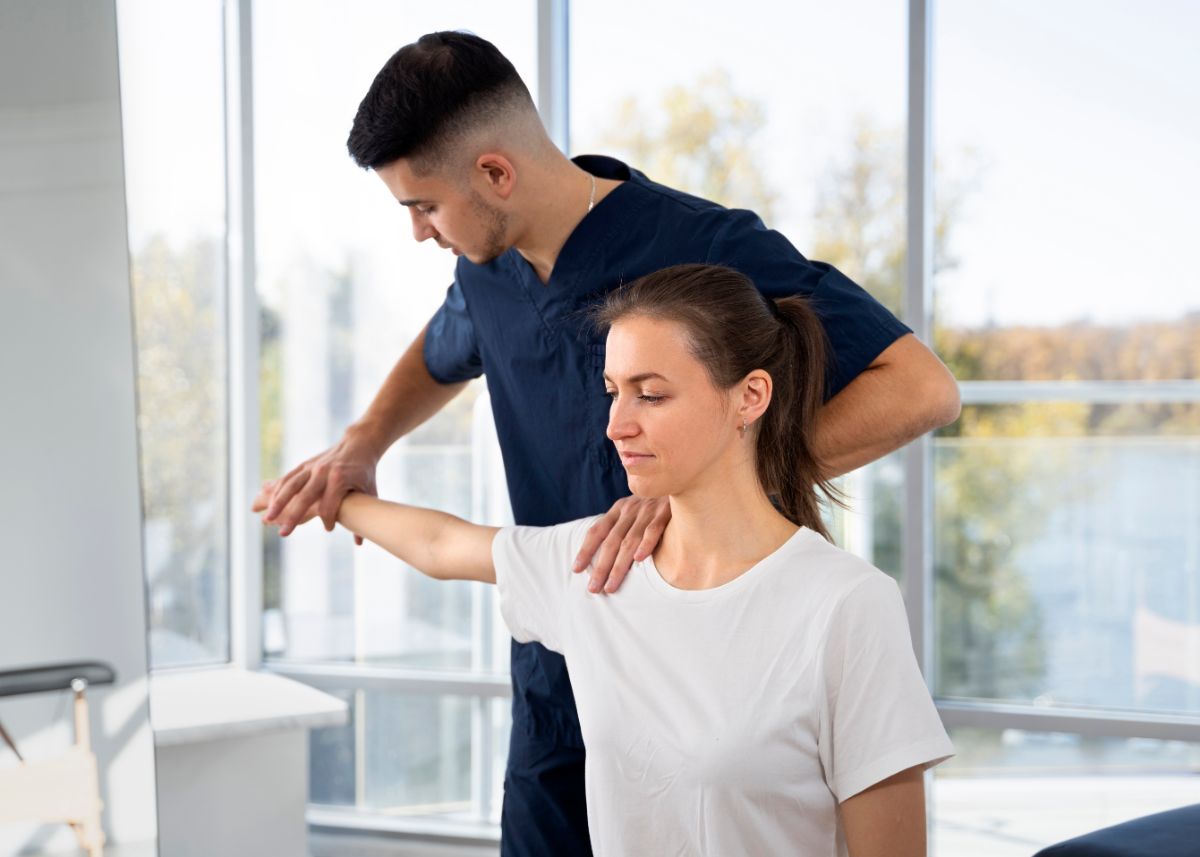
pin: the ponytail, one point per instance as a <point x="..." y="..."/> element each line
<point x="787" y="467"/>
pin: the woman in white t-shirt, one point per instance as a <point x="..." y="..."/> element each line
<point x="750" y="689"/>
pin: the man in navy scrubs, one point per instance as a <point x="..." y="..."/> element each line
<point x="452" y="131"/>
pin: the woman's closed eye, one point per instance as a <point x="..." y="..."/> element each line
<point x="645" y="397"/>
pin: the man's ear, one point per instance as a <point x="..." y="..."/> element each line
<point x="498" y="174"/>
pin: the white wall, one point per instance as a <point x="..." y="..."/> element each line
<point x="70" y="515"/>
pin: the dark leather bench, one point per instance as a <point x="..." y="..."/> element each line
<point x="1175" y="833"/>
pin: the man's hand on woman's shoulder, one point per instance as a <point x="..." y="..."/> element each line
<point x="625" y="534"/>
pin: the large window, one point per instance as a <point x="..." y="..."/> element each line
<point x="1067" y="497"/>
<point x="172" y="91"/>
<point x="1052" y="564"/>
<point x="343" y="290"/>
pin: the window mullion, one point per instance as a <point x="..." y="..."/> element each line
<point x="245" y="535"/>
<point x="918" y="507"/>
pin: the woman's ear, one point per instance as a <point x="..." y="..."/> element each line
<point x="756" y="389"/>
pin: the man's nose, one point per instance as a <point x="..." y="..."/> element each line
<point x="421" y="228"/>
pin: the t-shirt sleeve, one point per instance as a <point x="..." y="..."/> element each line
<point x="878" y="718"/>
<point x="859" y="328"/>
<point x="451" y="348"/>
<point x="533" y="579"/>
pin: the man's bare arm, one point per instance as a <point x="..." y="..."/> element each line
<point x="906" y="392"/>
<point x="409" y="396"/>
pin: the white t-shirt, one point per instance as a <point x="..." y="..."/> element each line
<point x="727" y="721"/>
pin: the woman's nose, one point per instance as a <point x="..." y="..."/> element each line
<point x="619" y="423"/>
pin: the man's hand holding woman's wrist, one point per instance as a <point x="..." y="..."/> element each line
<point x="316" y="487"/>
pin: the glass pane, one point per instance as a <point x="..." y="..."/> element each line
<point x="1067" y="552"/>
<point x="501" y="729"/>
<point x="817" y="151"/>
<point x="343" y="291"/>
<point x="1011" y="793"/>
<point x="172" y="94"/>
<point x="413" y="754"/>
<point x="1066" y="188"/>
<point x="870" y="524"/>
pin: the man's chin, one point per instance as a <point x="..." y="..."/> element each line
<point x="480" y="258"/>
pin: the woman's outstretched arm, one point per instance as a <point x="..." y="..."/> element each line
<point x="435" y="543"/>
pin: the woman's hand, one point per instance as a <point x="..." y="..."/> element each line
<point x="262" y="501"/>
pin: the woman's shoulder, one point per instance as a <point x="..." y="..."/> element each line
<point x="822" y="568"/>
<point x="552" y="544"/>
<point x="565" y="529"/>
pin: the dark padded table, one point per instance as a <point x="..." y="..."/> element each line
<point x="1175" y="833"/>
<point x="54" y="677"/>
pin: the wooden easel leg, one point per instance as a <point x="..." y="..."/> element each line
<point x="90" y="835"/>
<point x="88" y="828"/>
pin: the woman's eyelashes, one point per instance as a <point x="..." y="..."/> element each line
<point x="645" y="397"/>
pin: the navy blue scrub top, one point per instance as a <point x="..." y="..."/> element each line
<point x="544" y="361"/>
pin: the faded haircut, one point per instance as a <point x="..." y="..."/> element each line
<point x="430" y="97"/>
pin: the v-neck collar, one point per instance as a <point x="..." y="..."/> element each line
<point x="587" y="240"/>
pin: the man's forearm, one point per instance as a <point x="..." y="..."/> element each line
<point x="905" y="393"/>
<point x="409" y="396"/>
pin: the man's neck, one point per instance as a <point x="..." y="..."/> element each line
<point x="560" y="200"/>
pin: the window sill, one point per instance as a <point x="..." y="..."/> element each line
<point x="190" y="706"/>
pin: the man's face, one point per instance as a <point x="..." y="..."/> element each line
<point x="452" y="213"/>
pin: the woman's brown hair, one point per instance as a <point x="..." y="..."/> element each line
<point x="733" y="330"/>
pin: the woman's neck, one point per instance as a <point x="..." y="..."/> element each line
<point x="718" y="532"/>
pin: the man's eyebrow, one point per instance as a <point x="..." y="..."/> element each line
<point x="637" y="379"/>
<point x="414" y="202"/>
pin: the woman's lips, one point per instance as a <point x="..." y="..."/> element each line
<point x="631" y="458"/>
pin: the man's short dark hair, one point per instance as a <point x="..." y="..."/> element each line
<point x="428" y="94"/>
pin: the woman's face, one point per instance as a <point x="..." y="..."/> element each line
<point x="670" y="425"/>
